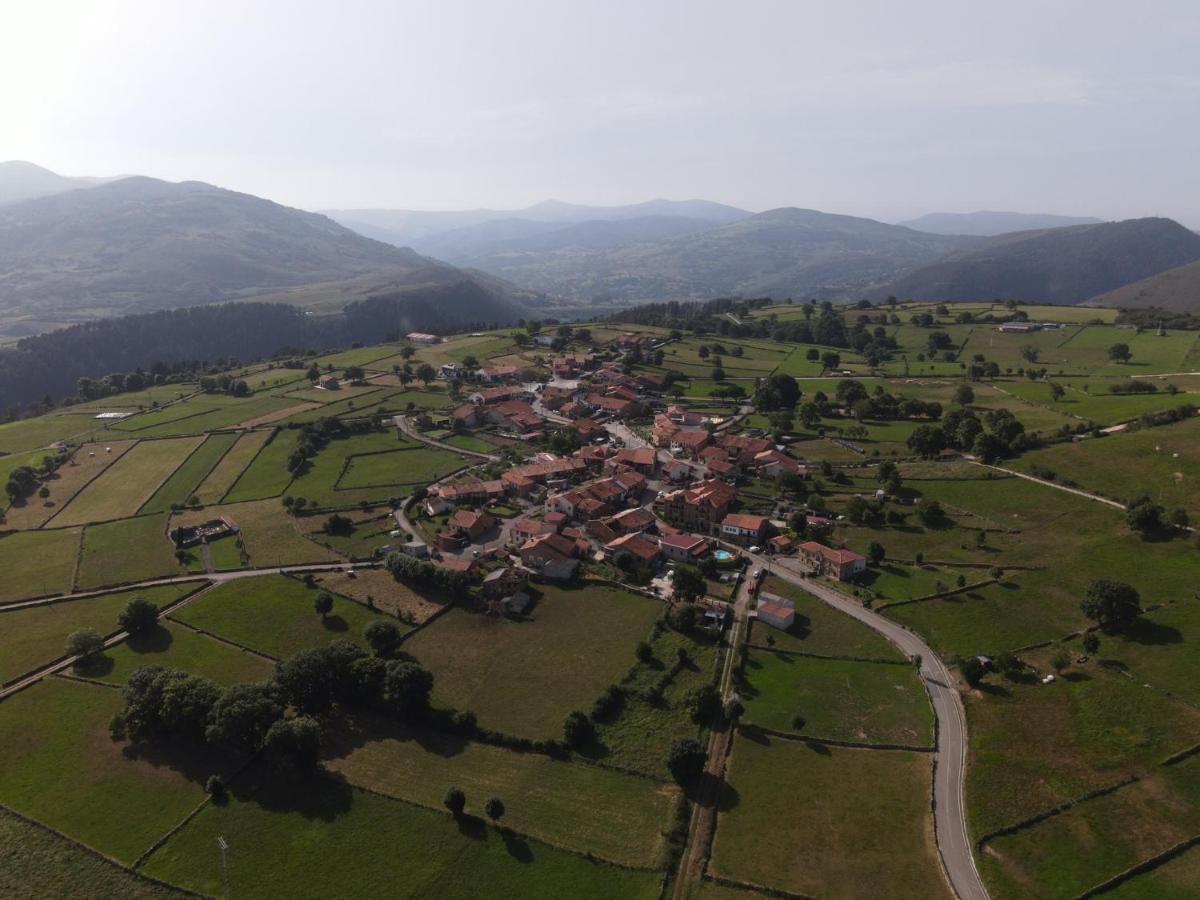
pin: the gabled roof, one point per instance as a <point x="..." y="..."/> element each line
<point x="836" y="556"/>
<point x="641" y="547"/>
<point x="746" y="521"/>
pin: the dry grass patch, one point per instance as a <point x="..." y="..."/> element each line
<point x="388" y="594"/>
<point x="68" y="480"/>
<point x="272" y="417"/>
<point x="270" y="535"/>
<point x="121" y="490"/>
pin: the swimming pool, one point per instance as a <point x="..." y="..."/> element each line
<point x="722" y="555"/>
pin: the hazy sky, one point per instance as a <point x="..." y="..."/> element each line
<point x="887" y="109"/>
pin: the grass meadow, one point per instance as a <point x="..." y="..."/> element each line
<point x="484" y="664"/>
<point x="222" y="476"/>
<point x="182" y="484"/>
<point x="803" y="817"/>
<point x="177" y="647"/>
<point x="69" y="479"/>
<point x="270" y="535"/>
<point x="33" y="563"/>
<point x="267" y="474"/>
<point x="127" y="550"/>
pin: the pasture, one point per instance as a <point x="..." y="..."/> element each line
<point x="267" y="474"/>
<point x="310" y="841"/>
<point x="181" y="485"/>
<point x="58" y="750"/>
<point x="127" y="484"/>
<point x="820" y="629"/>
<point x="274" y="615"/>
<point x="176" y="647"/>
<point x="481" y="663"/>
<point x="871" y="703"/>
<point x="37" y="635"/>
<point x="34" y="563"/>
<point x="225" y="473"/>
<point x="389" y="595"/>
<point x="270" y="535"/>
<point x="832" y="816"/>
<point x="127" y="550"/>
<point x="33" y="434"/>
<point x="590" y="809"/>
<point x="68" y="480"/>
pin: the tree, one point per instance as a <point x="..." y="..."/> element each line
<point x="455" y="801"/>
<point x="830" y="360"/>
<point x="406" y="689"/>
<point x="1091" y="643"/>
<point x="138" y="617"/>
<point x="1030" y="353"/>
<point x="1113" y="605"/>
<point x="1144" y="516"/>
<point x="685" y="761"/>
<point x="186" y="705"/>
<point x="242" y="716"/>
<point x="426" y="373"/>
<point x="1061" y="660"/>
<point x="1056" y="392"/>
<point x="494" y="809"/>
<point x="293" y="746"/>
<point x="964" y="395"/>
<point x="704" y="703"/>
<point x="407" y="352"/>
<point x="382" y="636"/>
<point x="972" y="670"/>
<point x="84" y="643"/>
<point x="323" y="603"/>
<point x="778" y="392"/>
<point x="577" y="730"/>
<point x="688" y="583"/>
<point x="1120" y="352"/>
<point x="718" y="374"/>
<point x="876" y="553"/>
<point x="644" y="652"/>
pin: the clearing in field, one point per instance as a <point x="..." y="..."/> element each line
<point x="871" y="703"/>
<point x="274" y="614"/>
<point x="483" y="664"/>
<point x="618" y="817"/>
<point x="328" y="839"/>
<point x="116" y="553"/>
<point x="270" y="535"/>
<point x="121" y="489"/>
<point x="68" y="480"/>
<point x="824" y="821"/>
<point x="181" y="486"/>
<point x="36" y="563"/>
<point x="1035" y="746"/>
<point x="37" y="635"/>
<point x="36" y="862"/>
<point x="177" y="647"/>
<point x="58" y="752"/>
<point x="1067" y="854"/>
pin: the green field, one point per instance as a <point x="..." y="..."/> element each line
<point x="310" y="840"/>
<point x="128" y="483"/>
<point x="271" y="536"/>
<point x="125" y="551"/>
<point x="232" y="464"/>
<point x="820" y="629"/>
<point x="33" y="563"/>
<point x="590" y="809"/>
<point x="267" y="475"/>
<point x="35" y="862"/>
<point x="1175" y="879"/>
<point x="35" y="636"/>
<point x="183" y="481"/>
<point x="177" y="647"/>
<point x="31" y="434"/>
<point x="418" y="465"/>
<point x="873" y="703"/>
<point x="58" y="750"/>
<point x="1100" y="838"/>
<point x="814" y="819"/>
<point x="480" y="663"/>
<point x="274" y="615"/>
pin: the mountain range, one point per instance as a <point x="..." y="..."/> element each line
<point x="988" y="223"/>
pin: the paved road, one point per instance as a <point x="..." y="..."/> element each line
<point x="403" y="424"/>
<point x="949" y="811"/>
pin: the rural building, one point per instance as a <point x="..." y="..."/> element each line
<point x="688" y="442"/>
<point x="420" y="337"/>
<point x="641" y="547"/>
<point x="190" y="535"/>
<point x="745" y="529"/>
<point x="699" y="508"/>
<point x="776" y="611"/>
<point x="329" y="382"/>
<point x="841" y="564"/>
<point x="682" y="547"/>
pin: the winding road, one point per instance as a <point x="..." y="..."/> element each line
<point x="949" y="808"/>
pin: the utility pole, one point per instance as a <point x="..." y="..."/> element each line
<point x="224" y="865"/>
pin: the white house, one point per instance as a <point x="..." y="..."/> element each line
<point x="776" y="611"/>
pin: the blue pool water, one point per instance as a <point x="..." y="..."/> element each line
<point x="722" y="555"/>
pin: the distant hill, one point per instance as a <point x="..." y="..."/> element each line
<point x="140" y="244"/>
<point x="988" y="223"/>
<point x="410" y="228"/>
<point x="1177" y="290"/>
<point x="21" y="180"/>
<point x="1059" y="265"/>
<point x="782" y="252"/>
